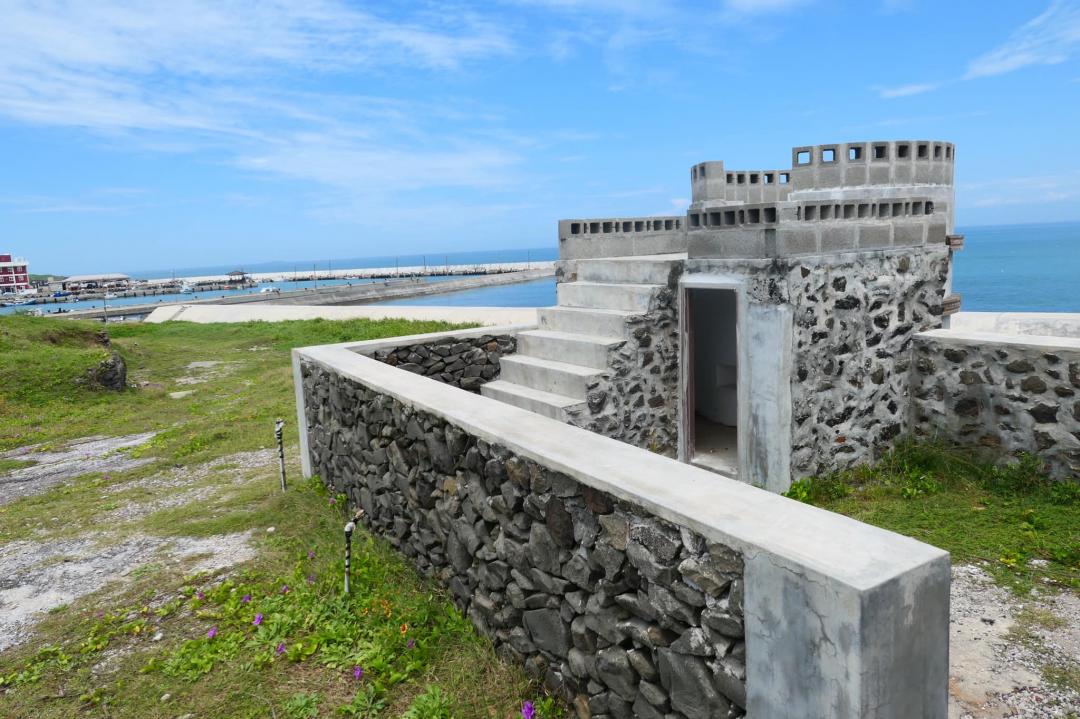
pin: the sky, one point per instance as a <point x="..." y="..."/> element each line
<point x="138" y="135"/>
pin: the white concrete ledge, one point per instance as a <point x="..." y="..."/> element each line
<point x="843" y="620"/>
<point x="1055" y="324"/>
<point x="1039" y="342"/>
<point x="207" y="314"/>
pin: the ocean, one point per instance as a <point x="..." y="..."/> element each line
<point x="1014" y="268"/>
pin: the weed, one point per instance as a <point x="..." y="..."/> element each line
<point x="431" y="704"/>
<point x="302" y="705"/>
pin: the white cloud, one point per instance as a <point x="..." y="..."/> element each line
<point x="1048" y="39"/>
<point x="888" y="93"/>
<point x="1023" y="190"/>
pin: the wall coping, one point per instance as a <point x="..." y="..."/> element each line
<point x="1056" y="324"/>
<point x="803" y="539"/>
<point x="1038" y="342"/>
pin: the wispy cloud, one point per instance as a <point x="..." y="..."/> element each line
<point x="887" y="93"/>
<point x="1023" y="190"/>
<point x="1048" y="39"/>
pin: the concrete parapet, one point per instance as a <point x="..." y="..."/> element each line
<point x="839" y="619"/>
<point x="621" y="237"/>
<point x="855" y="164"/>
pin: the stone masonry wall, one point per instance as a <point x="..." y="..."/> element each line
<point x="621" y="613"/>
<point x="637" y="402"/>
<point x="466" y="362"/>
<point x="1008" y="398"/>
<point x="854" y="319"/>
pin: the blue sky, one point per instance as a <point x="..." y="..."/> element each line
<point x="201" y="132"/>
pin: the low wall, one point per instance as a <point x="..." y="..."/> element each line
<point x="1054" y="324"/>
<point x="633" y="584"/>
<point x="454" y="358"/>
<point x="1007" y="393"/>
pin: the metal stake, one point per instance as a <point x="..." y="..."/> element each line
<point x="348" y="552"/>
<point x="278" y="426"/>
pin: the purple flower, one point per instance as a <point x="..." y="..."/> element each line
<point x="212" y="633"/>
<point x="311" y="579"/>
<point x="332" y="501"/>
<point x="199" y="595"/>
<point x="357" y="672"/>
<point x="245" y="599"/>
<point x="410" y="644"/>
<point x="528" y="711"/>
<point x="311" y="554"/>
<point x="280" y="649"/>
<point x="258" y="619"/>
<point x="284" y="588"/>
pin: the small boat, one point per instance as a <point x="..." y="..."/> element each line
<point x="187" y="289"/>
<point x="269" y="291"/>
<point x="61" y="293"/>
<point x="110" y="296"/>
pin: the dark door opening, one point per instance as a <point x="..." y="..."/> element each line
<point x="712" y="387"/>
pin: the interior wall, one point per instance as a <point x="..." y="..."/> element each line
<point x="713" y="317"/>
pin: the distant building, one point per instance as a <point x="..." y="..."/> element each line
<point x="238" y="277"/>
<point x="14" y="274"/>
<point x="112" y="281"/>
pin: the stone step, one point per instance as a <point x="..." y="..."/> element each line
<point x="571" y="347"/>
<point x="607" y="295"/>
<point x="548" y="375"/>
<point x="548" y="404"/>
<point x="604" y="323"/>
<point x="650" y="269"/>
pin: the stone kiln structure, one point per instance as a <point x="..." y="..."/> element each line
<point x="592" y="488"/>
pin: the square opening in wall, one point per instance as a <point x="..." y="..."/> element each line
<point x="754" y="177"/>
<point x="881" y="152"/>
<point x="948" y="152"/>
<point x="903" y="151"/>
<point x="826" y="212"/>
<point x="575" y="228"/>
<point x="849" y="212"/>
<point x="753" y="216"/>
<point x="785" y="178"/>
<point x="864" y="210"/>
<point x="626" y="226"/>
<point x="770" y="214"/>
<point x="729" y="217"/>
<point x="607" y="227"/>
<point x="828" y="155"/>
<point x="731" y="178"/>
<point x="678" y="224"/>
<point x="693" y="173"/>
<point x="929" y="208"/>
<point x="714" y="219"/>
<point x="916" y="208"/>
<point x="702" y="170"/>
<point x="810" y="212"/>
<point x="594" y="227"/>
<point x="742" y="179"/>
<point x="855" y="152"/>
<point x="924" y="152"/>
<point x="883" y="209"/>
<point x="937" y="152"/>
<point x="695" y="221"/>
<point x="802" y="157"/>
<point x="639" y="226"/>
<point x="768" y="178"/>
<point x="667" y="224"/>
<point x="898" y="209"/>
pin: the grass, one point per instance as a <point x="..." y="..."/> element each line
<point x="1014" y="520"/>
<point x="140" y="647"/>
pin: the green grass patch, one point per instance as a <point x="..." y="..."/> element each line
<point x="1003" y="516"/>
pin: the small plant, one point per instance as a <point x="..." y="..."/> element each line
<point x="302" y="705"/>
<point x="431" y="704"/>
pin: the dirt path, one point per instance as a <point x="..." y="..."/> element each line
<point x="53" y="466"/>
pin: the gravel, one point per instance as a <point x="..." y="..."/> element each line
<point x="992" y="675"/>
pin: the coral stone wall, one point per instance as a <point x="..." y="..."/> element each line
<point x="466" y="362"/>
<point x="1009" y="397"/>
<point x="623" y="614"/>
<point x="637" y="402"/>
<point x="854" y="319"/>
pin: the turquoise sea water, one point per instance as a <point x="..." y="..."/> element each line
<point x="1019" y="268"/>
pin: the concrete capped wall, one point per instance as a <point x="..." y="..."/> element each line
<point x="854" y="164"/>
<point x="842" y="620"/>
<point x="621" y="237"/>
<point x="1003" y="393"/>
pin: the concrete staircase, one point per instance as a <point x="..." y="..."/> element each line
<point x="556" y="362"/>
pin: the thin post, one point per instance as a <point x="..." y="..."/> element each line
<point x="348" y="552"/>
<point x="278" y="426"/>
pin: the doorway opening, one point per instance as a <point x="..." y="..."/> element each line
<point x="712" y="394"/>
